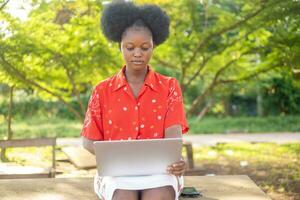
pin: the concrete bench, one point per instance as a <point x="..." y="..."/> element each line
<point x="14" y="171"/>
<point x="238" y="187"/>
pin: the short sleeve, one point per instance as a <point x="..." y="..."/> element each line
<point x="92" y="127"/>
<point x="175" y="108"/>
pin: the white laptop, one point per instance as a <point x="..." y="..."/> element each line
<point x="136" y="157"/>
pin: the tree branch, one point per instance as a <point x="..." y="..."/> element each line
<point x="220" y="32"/>
<point x="213" y="84"/>
<point x="16" y="73"/>
<point x="246" y="77"/>
<point x="74" y="87"/>
<point x="209" y="89"/>
<point x="220" y="51"/>
<point x="164" y="63"/>
<point x="4" y="4"/>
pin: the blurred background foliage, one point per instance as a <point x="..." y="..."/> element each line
<point x="233" y="58"/>
<point x="237" y="63"/>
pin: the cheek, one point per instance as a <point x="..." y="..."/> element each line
<point x="126" y="54"/>
<point x="149" y="55"/>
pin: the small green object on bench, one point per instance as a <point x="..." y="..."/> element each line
<point x="8" y="171"/>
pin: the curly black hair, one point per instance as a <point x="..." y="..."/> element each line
<point x="120" y="15"/>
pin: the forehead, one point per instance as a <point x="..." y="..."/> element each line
<point x="137" y="35"/>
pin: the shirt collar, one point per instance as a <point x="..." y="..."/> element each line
<point x="149" y="80"/>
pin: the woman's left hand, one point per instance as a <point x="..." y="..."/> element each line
<point x="177" y="168"/>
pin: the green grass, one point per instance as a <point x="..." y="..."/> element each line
<point x="245" y="124"/>
<point x="275" y="168"/>
<point x="42" y="126"/>
<point x="30" y="156"/>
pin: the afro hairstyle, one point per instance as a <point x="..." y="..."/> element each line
<point x="119" y="15"/>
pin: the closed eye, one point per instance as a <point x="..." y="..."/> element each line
<point x="145" y="49"/>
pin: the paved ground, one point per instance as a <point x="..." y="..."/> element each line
<point x="212" y="139"/>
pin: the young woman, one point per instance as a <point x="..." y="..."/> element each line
<point x="136" y="103"/>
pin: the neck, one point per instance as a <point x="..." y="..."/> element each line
<point x="135" y="77"/>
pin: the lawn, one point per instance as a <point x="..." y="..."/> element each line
<point x="39" y="126"/>
<point x="245" y="124"/>
<point x="274" y="168"/>
<point x="42" y="127"/>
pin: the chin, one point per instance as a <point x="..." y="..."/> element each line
<point x="137" y="67"/>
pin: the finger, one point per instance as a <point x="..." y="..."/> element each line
<point x="178" y="163"/>
<point x="178" y="173"/>
<point x="170" y="170"/>
<point x="179" y="169"/>
<point x="179" y="166"/>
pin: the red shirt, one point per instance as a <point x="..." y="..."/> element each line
<point x="115" y="114"/>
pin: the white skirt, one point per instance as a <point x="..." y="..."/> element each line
<point x="105" y="186"/>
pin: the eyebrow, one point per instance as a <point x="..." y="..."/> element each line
<point x="133" y="43"/>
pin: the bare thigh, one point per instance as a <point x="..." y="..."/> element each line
<point x="160" y="193"/>
<point x="125" y="195"/>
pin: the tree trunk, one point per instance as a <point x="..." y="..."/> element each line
<point x="259" y="102"/>
<point x="75" y="90"/>
<point x="9" y="118"/>
<point x="204" y="111"/>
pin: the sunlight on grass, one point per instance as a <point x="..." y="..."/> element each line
<point x="273" y="167"/>
<point x="245" y="124"/>
<point x="43" y="127"/>
<point x="30" y="156"/>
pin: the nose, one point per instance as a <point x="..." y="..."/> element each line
<point x="137" y="52"/>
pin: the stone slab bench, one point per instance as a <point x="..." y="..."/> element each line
<point x="236" y="187"/>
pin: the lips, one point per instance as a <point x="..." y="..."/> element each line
<point x="138" y="62"/>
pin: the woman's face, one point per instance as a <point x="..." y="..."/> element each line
<point x="137" y="48"/>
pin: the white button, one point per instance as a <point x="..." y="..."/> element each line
<point x="159" y="117"/>
<point x="109" y="121"/>
<point x="125" y="108"/>
<point x="153" y="100"/>
<point x="142" y="125"/>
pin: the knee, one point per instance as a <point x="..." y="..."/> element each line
<point x="125" y="195"/>
<point x="161" y="193"/>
